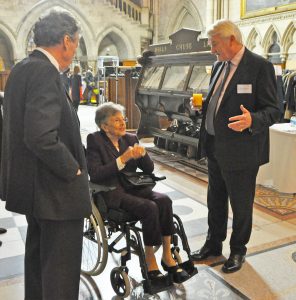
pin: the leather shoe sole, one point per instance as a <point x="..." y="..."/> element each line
<point x="233" y="263"/>
<point x="204" y="253"/>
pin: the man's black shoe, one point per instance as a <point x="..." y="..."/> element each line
<point x="3" y="230"/>
<point x="205" y="251"/>
<point x="233" y="263"/>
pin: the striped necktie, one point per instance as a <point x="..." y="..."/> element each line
<point x="214" y="100"/>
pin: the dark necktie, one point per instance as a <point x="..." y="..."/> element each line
<point x="214" y="100"/>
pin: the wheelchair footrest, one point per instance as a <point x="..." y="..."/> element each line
<point x="157" y="285"/>
<point x="189" y="267"/>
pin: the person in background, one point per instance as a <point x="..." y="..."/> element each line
<point x="43" y="172"/>
<point x="2" y="230"/>
<point x="241" y="105"/>
<point x="111" y="151"/>
<point x="90" y="83"/>
<point x="76" y="84"/>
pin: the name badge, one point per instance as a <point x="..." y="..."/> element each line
<point x="244" y="89"/>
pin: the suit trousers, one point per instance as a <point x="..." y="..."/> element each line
<point x="239" y="187"/>
<point x="53" y="259"/>
<point x="153" y="209"/>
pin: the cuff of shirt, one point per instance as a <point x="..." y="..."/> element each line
<point x="120" y="164"/>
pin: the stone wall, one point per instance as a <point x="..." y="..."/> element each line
<point x="106" y="30"/>
<point x="102" y="25"/>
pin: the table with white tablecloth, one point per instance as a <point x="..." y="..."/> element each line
<point x="280" y="172"/>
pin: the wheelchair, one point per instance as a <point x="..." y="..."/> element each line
<point x="104" y="223"/>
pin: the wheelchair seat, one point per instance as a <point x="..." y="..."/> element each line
<point x="116" y="215"/>
<point x="102" y="224"/>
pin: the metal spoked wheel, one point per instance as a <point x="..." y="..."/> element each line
<point x="95" y="244"/>
<point x="120" y="282"/>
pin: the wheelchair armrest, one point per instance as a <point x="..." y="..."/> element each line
<point x="96" y="188"/>
<point x="158" y="178"/>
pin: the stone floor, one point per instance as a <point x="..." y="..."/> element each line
<point x="268" y="273"/>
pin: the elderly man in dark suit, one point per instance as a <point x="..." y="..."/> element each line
<point x="43" y="172"/>
<point x="241" y="105"/>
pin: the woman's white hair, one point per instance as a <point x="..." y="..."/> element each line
<point x="225" y="29"/>
<point x="106" y="110"/>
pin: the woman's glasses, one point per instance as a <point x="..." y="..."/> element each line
<point x="120" y="120"/>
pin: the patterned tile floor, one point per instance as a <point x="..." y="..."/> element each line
<point x="269" y="271"/>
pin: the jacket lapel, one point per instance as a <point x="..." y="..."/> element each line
<point x="109" y="145"/>
<point x="236" y="78"/>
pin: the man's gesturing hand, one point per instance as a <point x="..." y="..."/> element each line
<point x="241" y="122"/>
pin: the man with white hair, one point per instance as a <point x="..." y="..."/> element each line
<point x="240" y="106"/>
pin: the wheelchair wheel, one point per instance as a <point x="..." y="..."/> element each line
<point x="120" y="282"/>
<point x="95" y="245"/>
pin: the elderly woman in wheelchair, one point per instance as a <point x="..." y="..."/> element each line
<point x="110" y="152"/>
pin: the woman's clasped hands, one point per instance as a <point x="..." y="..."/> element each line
<point x="134" y="152"/>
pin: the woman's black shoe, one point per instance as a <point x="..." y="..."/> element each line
<point x="155" y="274"/>
<point x="179" y="275"/>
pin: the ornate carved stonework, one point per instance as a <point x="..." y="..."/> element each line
<point x="267" y="19"/>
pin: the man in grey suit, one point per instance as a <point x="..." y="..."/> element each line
<point x="241" y="105"/>
<point x="43" y="172"/>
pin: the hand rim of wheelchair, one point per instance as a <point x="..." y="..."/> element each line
<point x="98" y="258"/>
<point x="120" y="281"/>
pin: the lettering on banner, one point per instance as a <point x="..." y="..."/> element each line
<point x="184" y="47"/>
<point x="160" y="49"/>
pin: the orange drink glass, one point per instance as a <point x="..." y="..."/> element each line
<point x="196" y="100"/>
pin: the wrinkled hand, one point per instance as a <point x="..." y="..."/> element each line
<point x="134" y="152"/>
<point x="138" y="151"/>
<point x="241" y="122"/>
<point x="127" y="155"/>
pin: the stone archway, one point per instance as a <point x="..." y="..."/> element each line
<point x="254" y="42"/>
<point x="7" y="48"/>
<point x="272" y="37"/>
<point x="113" y="41"/>
<point x="113" y="45"/>
<point x="184" y="14"/>
<point x="289" y="46"/>
<point x="6" y="52"/>
<point x="26" y="24"/>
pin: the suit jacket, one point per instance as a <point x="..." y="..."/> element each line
<point x="42" y="149"/>
<point x="101" y="158"/>
<point x="250" y="148"/>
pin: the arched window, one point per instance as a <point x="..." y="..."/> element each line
<point x="274" y="50"/>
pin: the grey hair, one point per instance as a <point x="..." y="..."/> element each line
<point x="225" y="28"/>
<point x="107" y="110"/>
<point x="51" y="29"/>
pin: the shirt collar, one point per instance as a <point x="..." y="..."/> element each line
<point x="50" y="57"/>
<point x="238" y="56"/>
